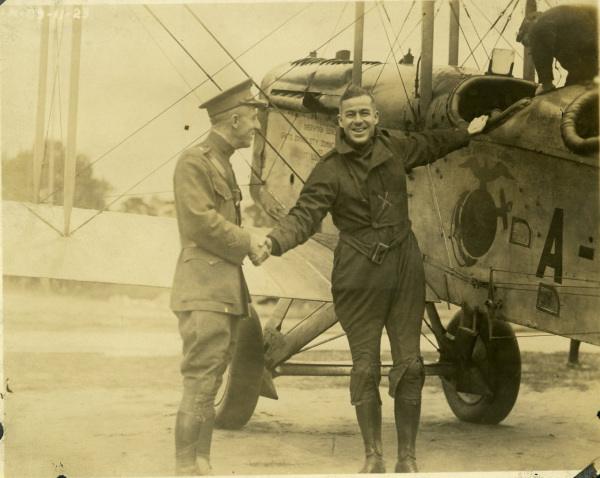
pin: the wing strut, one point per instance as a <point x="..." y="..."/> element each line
<point x="454" y="32"/>
<point x="40" y="147"/>
<point x="71" y="153"/>
<point x="359" y="28"/>
<point x="528" y="67"/>
<point x="426" y="58"/>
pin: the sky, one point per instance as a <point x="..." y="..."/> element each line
<point x="132" y="70"/>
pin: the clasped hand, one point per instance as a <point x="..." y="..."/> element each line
<point x="260" y="250"/>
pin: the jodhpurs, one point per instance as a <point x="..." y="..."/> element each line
<point x="209" y="340"/>
<point x="368" y="297"/>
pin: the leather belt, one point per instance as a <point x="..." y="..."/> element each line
<point x="375" y="251"/>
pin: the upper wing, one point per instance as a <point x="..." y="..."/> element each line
<point x="141" y="250"/>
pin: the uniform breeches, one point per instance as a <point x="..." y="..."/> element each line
<point x="369" y="297"/>
<point x="209" y="340"/>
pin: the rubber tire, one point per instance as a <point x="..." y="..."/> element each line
<point x="500" y="361"/>
<point x="243" y="382"/>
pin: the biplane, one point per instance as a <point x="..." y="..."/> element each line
<point x="508" y="226"/>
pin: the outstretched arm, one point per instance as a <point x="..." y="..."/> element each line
<point x="316" y="199"/>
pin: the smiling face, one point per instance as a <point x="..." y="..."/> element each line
<point x="358" y="118"/>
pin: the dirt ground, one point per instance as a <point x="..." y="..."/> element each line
<point x="95" y="388"/>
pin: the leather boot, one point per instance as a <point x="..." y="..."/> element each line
<point x="192" y="444"/>
<point x="407" y="414"/>
<point x="203" y="446"/>
<point x="368" y="415"/>
<point x="187" y="427"/>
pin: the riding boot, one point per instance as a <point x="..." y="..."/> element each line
<point x="407" y="414"/>
<point x="187" y="428"/>
<point x="203" y="446"/>
<point x="368" y="415"/>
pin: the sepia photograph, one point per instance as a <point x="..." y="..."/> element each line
<point x="300" y="238"/>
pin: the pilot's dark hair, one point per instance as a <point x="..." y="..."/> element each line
<point x="354" y="91"/>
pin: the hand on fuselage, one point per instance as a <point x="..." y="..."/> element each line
<point x="477" y="125"/>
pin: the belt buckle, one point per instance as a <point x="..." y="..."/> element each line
<point x="379" y="253"/>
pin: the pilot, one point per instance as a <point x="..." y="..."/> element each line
<point x="568" y="33"/>
<point x="378" y="278"/>
<point x="209" y="294"/>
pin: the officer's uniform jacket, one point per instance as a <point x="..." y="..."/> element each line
<point x="209" y="275"/>
<point x="365" y="191"/>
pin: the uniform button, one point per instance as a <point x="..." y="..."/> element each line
<point x="211" y="262"/>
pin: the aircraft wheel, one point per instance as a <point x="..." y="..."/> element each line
<point x="242" y="381"/>
<point x="499" y="361"/>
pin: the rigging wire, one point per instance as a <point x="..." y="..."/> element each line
<point x="576" y="279"/>
<point x="13" y="198"/>
<point x="183" y="48"/>
<point x="185" y="81"/>
<point x="156" y="42"/>
<point x="278" y="154"/>
<point x="428" y="339"/>
<point x="467" y="40"/>
<point x="132" y="194"/>
<point x="441" y="225"/>
<point x="395" y="40"/>
<point x="473" y="25"/>
<point x="490" y="22"/>
<point x="321" y="46"/>
<point x="506" y="24"/>
<point x="331" y="339"/>
<point x="248" y="76"/>
<point x="416" y="120"/>
<point x="547" y="335"/>
<point x="420" y="21"/>
<point x="244" y="71"/>
<point x="307" y="317"/>
<point x="280" y="157"/>
<point x="434" y="261"/>
<point x="389" y="18"/>
<point x="58" y="44"/>
<point x="139" y="182"/>
<point x="478" y="283"/>
<point x="491" y="27"/>
<point x="179" y="100"/>
<point x="335" y="28"/>
<point x="312" y="78"/>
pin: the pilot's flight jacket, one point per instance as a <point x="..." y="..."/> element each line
<point x="373" y="287"/>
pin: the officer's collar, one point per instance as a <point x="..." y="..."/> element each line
<point x="220" y="143"/>
<point x="377" y="148"/>
<point x="343" y="146"/>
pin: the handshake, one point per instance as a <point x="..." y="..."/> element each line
<point x="260" y="249"/>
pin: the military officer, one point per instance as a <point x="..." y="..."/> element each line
<point x="568" y="33"/>
<point x="209" y="294"/>
<point x="378" y="278"/>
